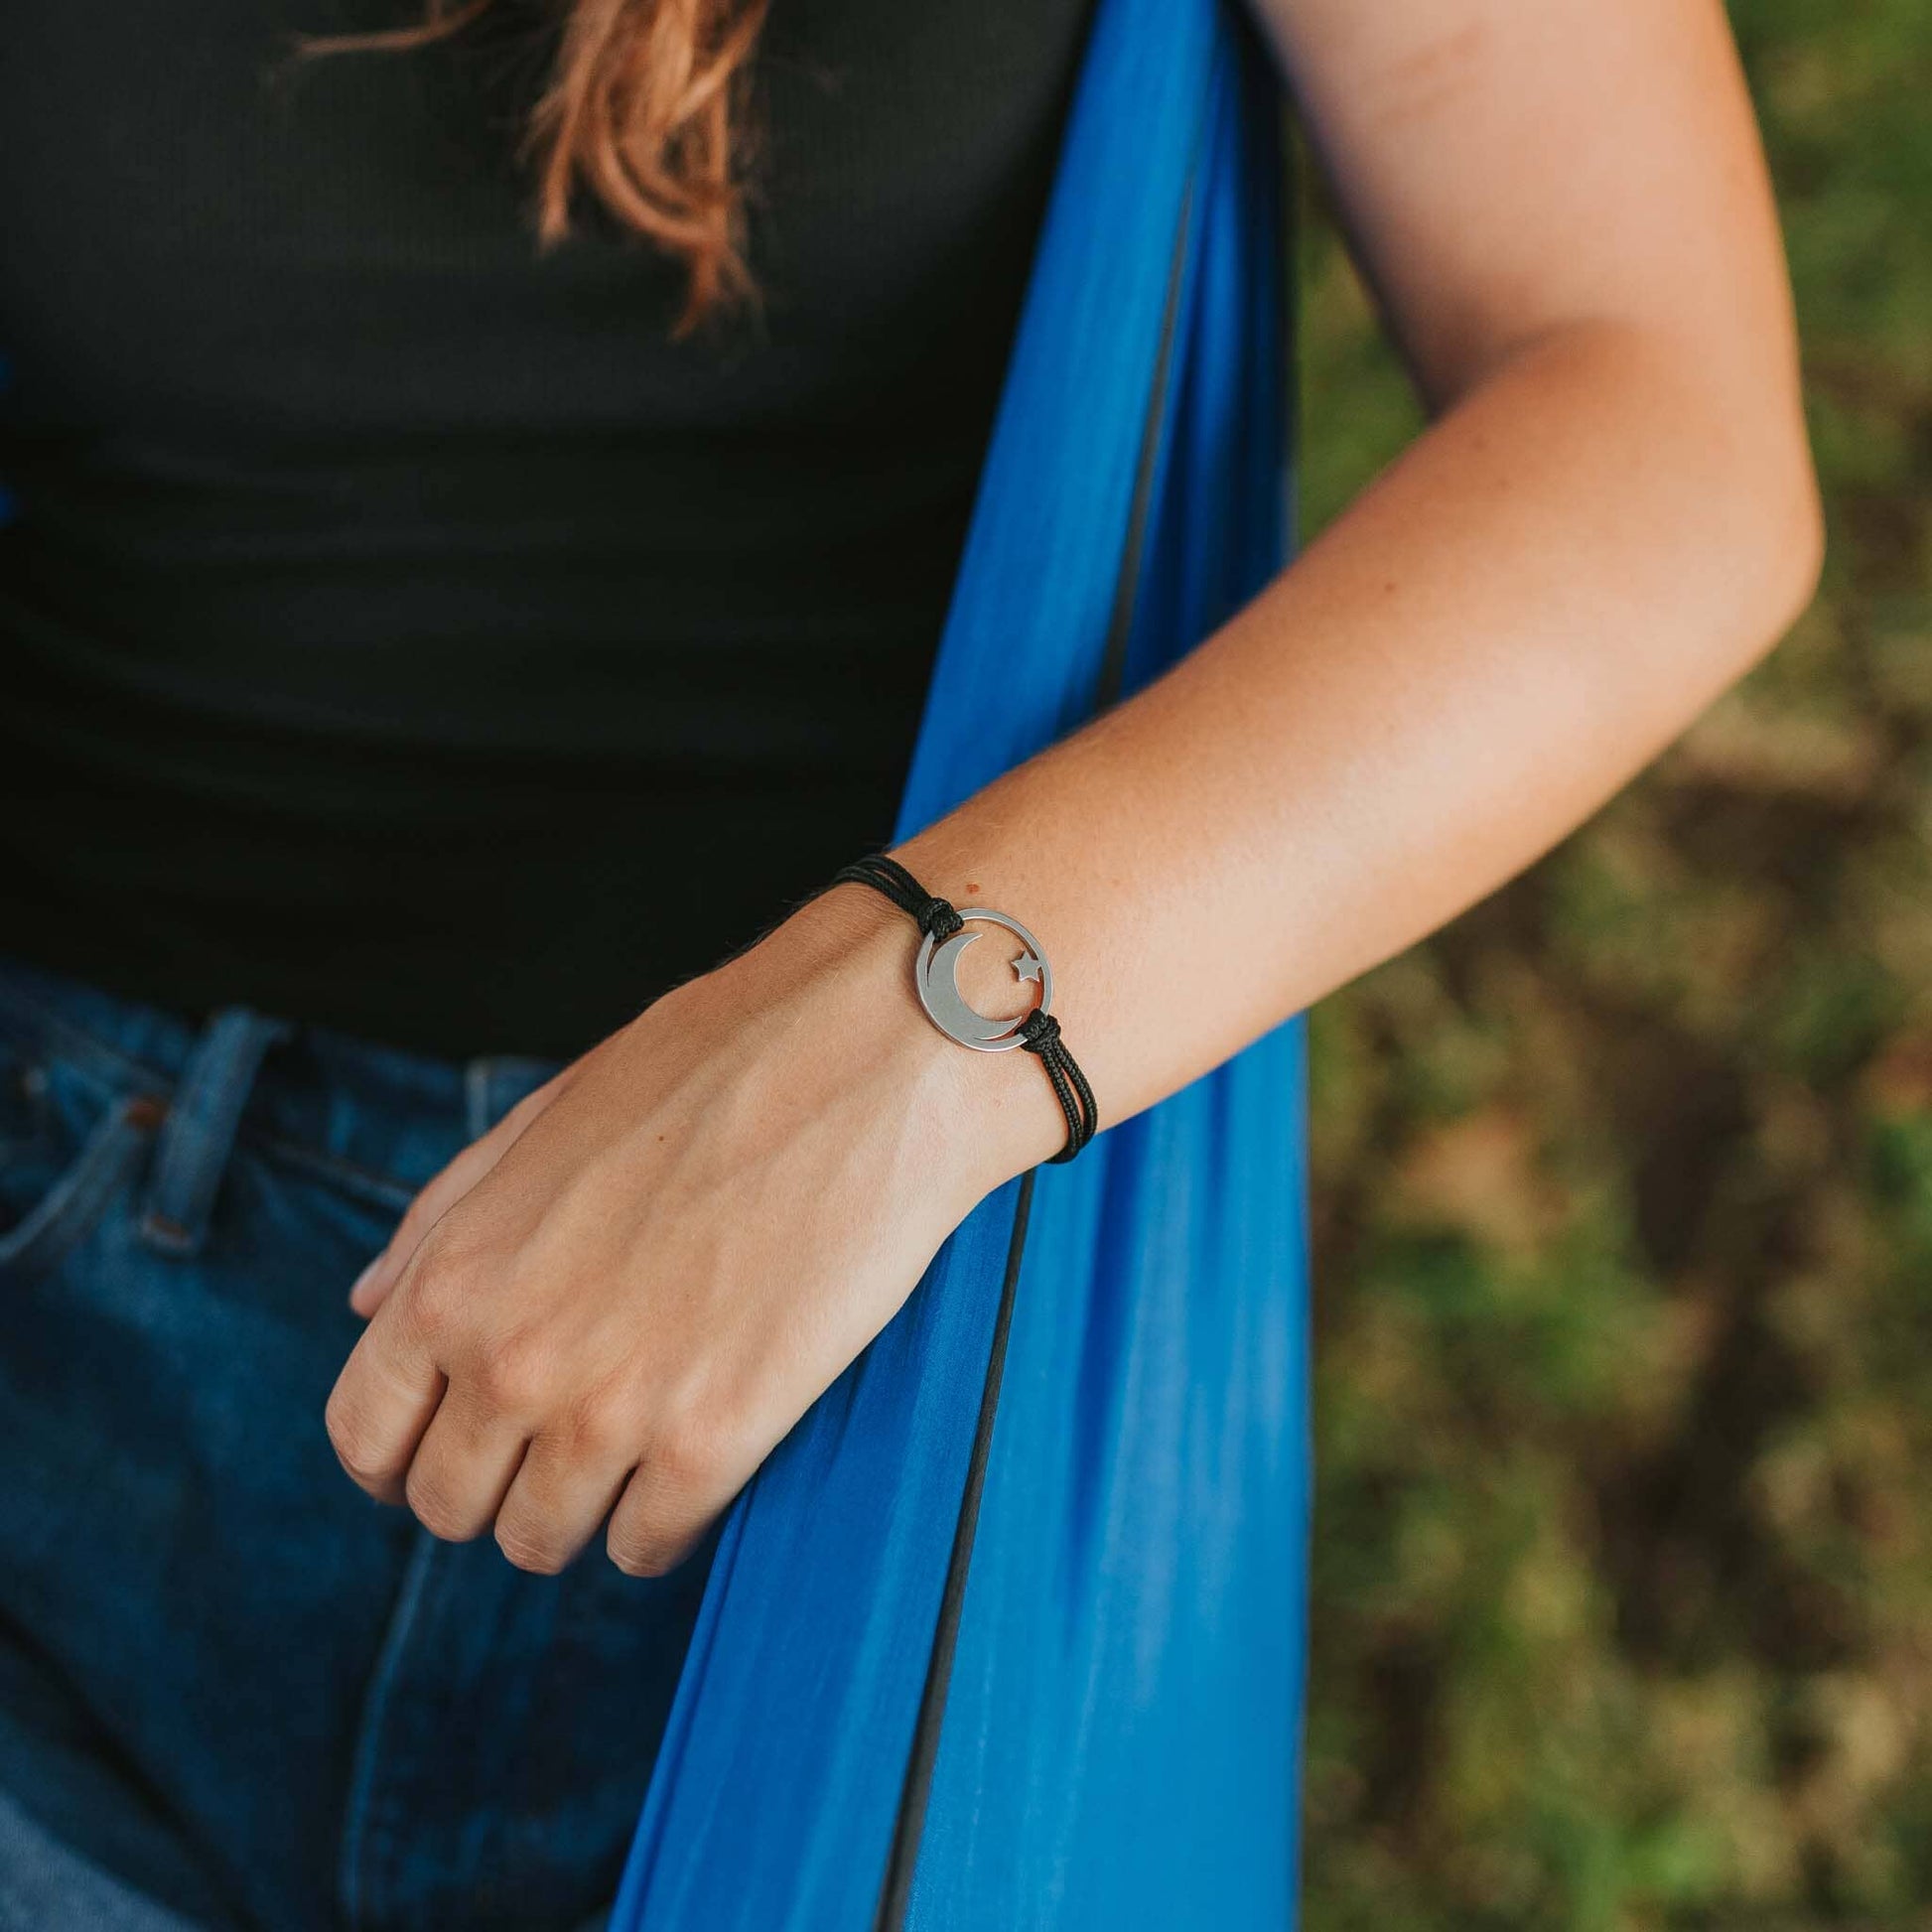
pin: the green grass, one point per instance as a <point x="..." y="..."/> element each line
<point x="1623" y="1565"/>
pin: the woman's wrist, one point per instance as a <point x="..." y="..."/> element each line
<point x="990" y="1116"/>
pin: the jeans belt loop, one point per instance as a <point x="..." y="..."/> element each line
<point x="199" y="1134"/>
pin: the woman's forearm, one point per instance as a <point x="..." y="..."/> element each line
<point x="1545" y="590"/>
<point x="614" y="1303"/>
<point x="649" y="1272"/>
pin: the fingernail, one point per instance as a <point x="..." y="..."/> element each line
<point x="365" y="1277"/>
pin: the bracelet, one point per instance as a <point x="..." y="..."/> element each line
<point x="934" y="977"/>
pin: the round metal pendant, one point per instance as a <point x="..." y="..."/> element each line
<point x="936" y="973"/>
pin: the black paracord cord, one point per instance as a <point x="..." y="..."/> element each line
<point x="1039" y="1032"/>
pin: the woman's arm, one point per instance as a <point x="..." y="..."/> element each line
<point x="1564" y="207"/>
<point x="619" y="1300"/>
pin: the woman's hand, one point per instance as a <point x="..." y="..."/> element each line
<point x="647" y="1277"/>
<point x="619" y="1300"/>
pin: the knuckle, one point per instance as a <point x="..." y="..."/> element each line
<point x="529" y="1548"/>
<point x="349" y="1433"/>
<point x="685" y="1475"/>
<point x="597" y="1429"/>
<point x="644" y="1554"/>
<point x="436" y="1509"/>
<point x="440" y="1287"/>
<point x="511" y="1375"/>
<point x="688" y="1454"/>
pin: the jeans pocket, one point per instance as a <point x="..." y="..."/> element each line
<point x="67" y="1149"/>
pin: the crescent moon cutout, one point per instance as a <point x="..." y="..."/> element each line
<point x="940" y="985"/>
<point x="936" y="975"/>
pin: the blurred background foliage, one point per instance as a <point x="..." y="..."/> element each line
<point x="1622" y="1583"/>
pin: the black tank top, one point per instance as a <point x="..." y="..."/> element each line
<point x="398" y="631"/>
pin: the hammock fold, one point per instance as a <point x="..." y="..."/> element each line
<point x="1111" y="1734"/>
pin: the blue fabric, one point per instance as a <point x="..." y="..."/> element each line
<point x="1122" y="1735"/>
<point x="46" y="1887"/>
<point x="233" y="1691"/>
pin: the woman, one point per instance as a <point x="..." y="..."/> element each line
<point x="445" y="647"/>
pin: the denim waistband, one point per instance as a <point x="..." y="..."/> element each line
<point x="379" y="1119"/>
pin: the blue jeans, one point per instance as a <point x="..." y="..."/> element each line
<point x="235" y="1693"/>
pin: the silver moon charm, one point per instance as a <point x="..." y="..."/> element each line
<point x="936" y="975"/>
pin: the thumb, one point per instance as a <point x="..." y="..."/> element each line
<point x="449" y="1186"/>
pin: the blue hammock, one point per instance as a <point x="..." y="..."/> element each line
<point x="988" y="1650"/>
